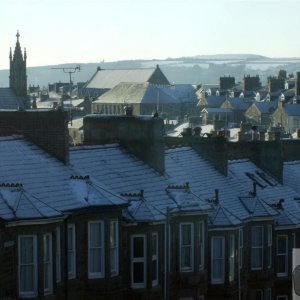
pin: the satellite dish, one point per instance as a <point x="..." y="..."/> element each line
<point x="296" y="280"/>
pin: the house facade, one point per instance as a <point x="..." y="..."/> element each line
<point x="143" y="218"/>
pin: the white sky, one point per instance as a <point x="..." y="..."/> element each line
<point x="81" y="31"/>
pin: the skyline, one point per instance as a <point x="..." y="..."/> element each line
<point x="73" y="31"/>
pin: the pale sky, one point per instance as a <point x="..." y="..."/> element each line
<point x="81" y="31"/>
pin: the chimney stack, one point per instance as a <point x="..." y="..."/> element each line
<point x="143" y="136"/>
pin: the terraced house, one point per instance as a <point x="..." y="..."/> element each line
<point x="131" y="215"/>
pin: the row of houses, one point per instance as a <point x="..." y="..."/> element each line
<point x="132" y="214"/>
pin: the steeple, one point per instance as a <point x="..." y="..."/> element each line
<point x="18" y="77"/>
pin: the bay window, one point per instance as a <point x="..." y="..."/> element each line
<point x="27" y="265"/>
<point x="282" y="255"/>
<point x="71" y="251"/>
<point x="217" y="261"/>
<point x="257" y="248"/>
<point x="114" y="248"/>
<point x="95" y="249"/>
<point x="154" y="259"/>
<point x="138" y="261"/>
<point x="47" y="260"/>
<point x="186" y="247"/>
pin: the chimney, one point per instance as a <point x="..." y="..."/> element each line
<point x="143" y="136"/>
<point x="46" y="129"/>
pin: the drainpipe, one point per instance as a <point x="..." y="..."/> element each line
<point x="167" y="256"/>
<point x="66" y="288"/>
<point x="239" y="265"/>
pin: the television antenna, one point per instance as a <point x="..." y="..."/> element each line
<point x="70" y="71"/>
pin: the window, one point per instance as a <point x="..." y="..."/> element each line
<point x="154" y="259"/>
<point x="47" y="259"/>
<point x="256" y="295"/>
<point x="201" y="246"/>
<point x="241" y="245"/>
<point x="95" y="249"/>
<point x="293" y="240"/>
<point x="257" y="248"/>
<point x="71" y="252"/>
<point x="268" y="294"/>
<point x="186" y="247"/>
<point x="217" y="268"/>
<point x="58" y="255"/>
<point x="282" y="255"/>
<point x="27" y="267"/>
<point x="283" y="297"/>
<point x="138" y="261"/>
<point x="269" y="247"/>
<point x="231" y="258"/>
<point x="114" y="248"/>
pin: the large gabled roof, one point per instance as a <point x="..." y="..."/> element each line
<point x="132" y="93"/>
<point x="107" y="79"/>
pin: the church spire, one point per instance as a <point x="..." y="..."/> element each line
<point x="18" y="77"/>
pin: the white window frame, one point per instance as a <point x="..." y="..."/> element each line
<point x="114" y="247"/>
<point x="48" y="264"/>
<point x="270" y="246"/>
<point x="33" y="292"/>
<point x="72" y="251"/>
<point x="283" y="254"/>
<point x="201" y="246"/>
<point x="221" y="279"/>
<point x="231" y="255"/>
<point x="155" y="258"/>
<point x="257" y="248"/>
<point x="189" y="247"/>
<point x="58" y="254"/>
<point x="100" y="248"/>
<point x="268" y="294"/>
<point x="138" y="260"/>
<point x="282" y="297"/>
<point x="241" y="246"/>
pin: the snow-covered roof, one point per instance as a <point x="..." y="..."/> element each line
<point x="34" y="185"/>
<point x="8" y="100"/>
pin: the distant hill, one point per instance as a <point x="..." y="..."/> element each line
<point x="195" y="69"/>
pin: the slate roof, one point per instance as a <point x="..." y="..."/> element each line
<point x="291" y="175"/>
<point x="35" y="185"/>
<point x="128" y="92"/>
<point x="127" y="175"/>
<point x="214" y="101"/>
<point x="265" y="107"/>
<point x="217" y="110"/>
<point x="292" y="109"/>
<point x="107" y="79"/>
<point x="8" y="100"/>
<point x="239" y="103"/>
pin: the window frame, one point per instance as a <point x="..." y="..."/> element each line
<point x="101" y="274"/>
<point x="154" y="258"/>
<point x="201" y="246"/>
<point x="285" y="255"/>
<point x="138" y="260"/>
<point x="58" y="254"/>
<point x="269" y="246"/>
<point x="72" y="275"/>
<point x="231" y="256"/>
<point x="221" y="279"/>
<point x="49" y="290"/>
<point x="189" y="246"/>
<point x="241" y="247"/>
<point x="259" y="247"/>
<point x="34" y="292"/>
<point x="114" y="247"/>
